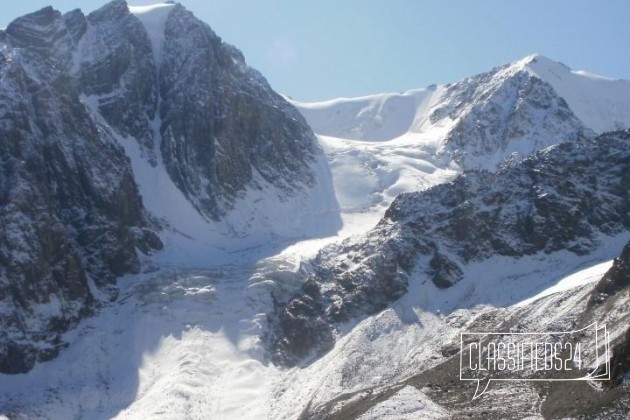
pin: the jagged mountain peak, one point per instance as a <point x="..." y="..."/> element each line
<point x="542" y="66"/>
<point x="516" y="108"/>
<point x="506" y="111"/>
<point x="128" y="131"/>
<point x="539" y="60"/>
<point x="600" y="102"/>
<point x="38" y="32"/>
<point x="39" y="17"/>
<point x="115" y="8"/>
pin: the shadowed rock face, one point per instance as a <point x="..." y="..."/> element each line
<point x="216" y="123"/>
<point x="615" y="282"/>
<point x="561" y="198"/>
<point x="72" y="87"/>
<point x="70" y="210"/>
<point x="222" y="126"/>
<point x="616" y="279"/>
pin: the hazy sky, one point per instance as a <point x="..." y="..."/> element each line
<point x="314" y="50"/>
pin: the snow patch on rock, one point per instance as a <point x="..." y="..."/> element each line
<point x="153" y="18"/>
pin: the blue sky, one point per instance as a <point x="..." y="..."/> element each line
<point x="315" y="50"/>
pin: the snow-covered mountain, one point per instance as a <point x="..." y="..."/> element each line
<point x="142" y="161"/>
<point x="404" y="363"/>
<point x="516" y="108"/>
<point x="536" y="92"/>
<point x="381" y="145"/>
<point x="465" y="251"/>
<point x="571" y="197"/>
<point x="126" y="130"/>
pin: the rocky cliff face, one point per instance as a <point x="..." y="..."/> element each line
<point x="507" y="111"/>
<point x="254" y="136"/>
<point x="561" y="198"/>
<point x="73" y="88"/>
<point x="190" y="100"/>
<point x="72" y="217"/>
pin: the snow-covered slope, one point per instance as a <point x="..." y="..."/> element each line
<point x="153" y="18"/>
<point x="599" y="102"/>
<point x="369" y="118"/>
<point x="200" y="150"/>
<point x="129" y="131"/>
<point x="381" y="145"/>
<point x="413" y="345"/>
<point x="569" y="197"/>
<point x="187" y="343"/>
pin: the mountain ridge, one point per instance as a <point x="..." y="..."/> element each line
<point x="527" y="207"/>
<point x="538" y="65"/>
<point x="96" y="121"/>
<point x="438" y="117"/>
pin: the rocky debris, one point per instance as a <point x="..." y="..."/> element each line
<point x="514" y="399"/>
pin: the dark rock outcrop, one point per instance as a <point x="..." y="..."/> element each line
<point x="505" y="111"/>
<point x="73" y="89"/>
<point x="223" y="128"/>
<point x="554" y="396"/>
<point x="615" y="279"/>
<point x="72" y="217"/>
<point x="561" y="198"/>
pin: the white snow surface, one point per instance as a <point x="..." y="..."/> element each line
<point x="601" y="103"/>
<point x="381" y="145"/>
<point x="586" y="276"/>
<point x="407" y="404"/>
<point x="153" y="18"/>
<point x="263" y="221"/>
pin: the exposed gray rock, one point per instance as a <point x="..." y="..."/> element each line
<point x="72" y="87"/>
<point x="615" y="280"/>
<point x="505" y="111"/>
<point x="561" y="398"/>
<point x="223" y="128"/>
<point x="563" y="197"/>
<point x="70" y="210"/>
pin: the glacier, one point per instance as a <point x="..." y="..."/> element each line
<point x="187" y="335"/>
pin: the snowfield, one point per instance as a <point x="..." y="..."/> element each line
<point x="381" y="145"/>
<point x="601" y="103"/>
